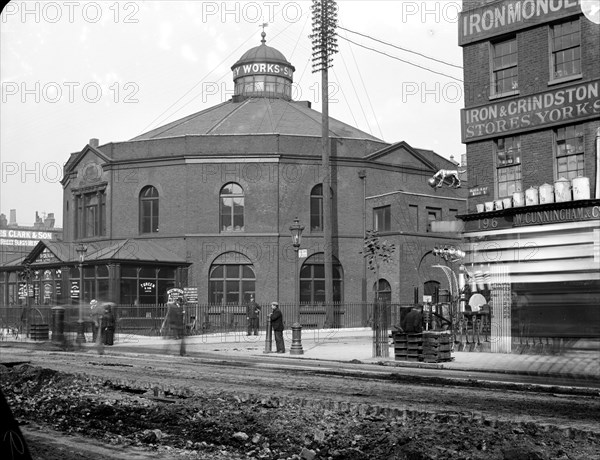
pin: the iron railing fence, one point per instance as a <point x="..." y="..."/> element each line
<point x="199" y="318"/>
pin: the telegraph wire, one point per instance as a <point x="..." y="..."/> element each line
<point x="402" y="49"/>
<point x="401" y="60"/>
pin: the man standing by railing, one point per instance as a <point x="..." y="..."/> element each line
<point x="252" y="312"/>
<point x="277" y="325"/>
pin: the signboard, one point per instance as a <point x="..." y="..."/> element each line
<point x="191" y="294"/>
<point x="263" y="68"/>
<point x="479" y="191"/>
<point x="504" y="17"/>
<point x="302" y="253"/>
<point x="74" y="289"/>
<point x="147" y="287"/>
<point x="541" y="215"/>
<point x="23" y="237"/>
<point x="559" y="106"/>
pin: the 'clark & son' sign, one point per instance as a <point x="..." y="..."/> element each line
<point x="578" y="102"/>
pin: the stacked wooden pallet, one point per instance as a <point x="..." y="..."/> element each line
<point x="408" y="347"/>
<point x="437" y="346"/>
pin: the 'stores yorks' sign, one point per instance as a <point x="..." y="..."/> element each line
<point x="564" y="105"/>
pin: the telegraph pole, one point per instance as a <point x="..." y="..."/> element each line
<point x="324" y="40"/>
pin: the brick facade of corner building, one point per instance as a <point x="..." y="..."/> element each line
<point x="555" y="260"/>
<point x="277" y="186"/>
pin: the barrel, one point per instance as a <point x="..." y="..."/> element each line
<point x="40" y="332"/>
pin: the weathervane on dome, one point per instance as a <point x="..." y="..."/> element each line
<point x="263" y="33"/>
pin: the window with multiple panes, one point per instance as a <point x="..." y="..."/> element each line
<point x="231" y="283"/>
<point x="316" y="208"/>
<point x="508" y="166"/>
<point x="504" y="67"/>
<point x="569" y="147"/>
<point x="312" y="280"/>
<point x="90" y="214"/>
<point x="382" y="219"/>
<point x="565" y="44"/>
<point x="231" y="208"/>
<point x="149" y="210"/>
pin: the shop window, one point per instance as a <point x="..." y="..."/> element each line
<point x="508" y="166"/>
<point x="231" y="279"/>
<point x="565" y="46"/>
<point x="382" y="219"/>
<point x="148" y="210"/>
<point x="232" y="208"/>
<point x="504" y="67"/>
<point x="90" y="214"/>
<point x="569" y="146"/>
<point x="316" y="208"/>
<point x="312" y="280"/>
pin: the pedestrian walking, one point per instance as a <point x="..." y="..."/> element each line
<point x="108" y="325"/>
<point x="172" y="325"/>
<point x="252" y="313"/>
<point x="277" y="326"/>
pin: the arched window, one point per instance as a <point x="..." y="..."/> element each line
<point x="384" y="290"/>
<point x="231" y="208"/>
<point x="231" y="279"/>
<point x="149" y="210"/>
<point x="316" y="208"/>
<point x="312" y="280"/>
<point x="431" y="288"/>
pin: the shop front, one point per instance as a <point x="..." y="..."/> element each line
<point x="537" y="268"/>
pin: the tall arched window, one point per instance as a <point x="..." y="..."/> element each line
<point x="316" y="208"/>
<point x="231" y="208"/>
<point x="384" y="290"/>
<point x="231" y="279"/>
<point x="312" y="280"/>
<point x="149" y="210"/>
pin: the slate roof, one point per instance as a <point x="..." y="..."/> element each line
<point x="256" y="116"/>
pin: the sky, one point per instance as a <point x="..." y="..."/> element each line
<point x="71" y="71"/>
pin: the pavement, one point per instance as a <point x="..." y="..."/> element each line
<point x="581" y="360"/>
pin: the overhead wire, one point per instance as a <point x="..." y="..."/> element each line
<point x="401" y="60"/>
<point x="401" y="48"/>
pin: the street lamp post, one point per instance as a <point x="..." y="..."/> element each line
<point x="296" y="232"/>
<point x="81" y="250"/>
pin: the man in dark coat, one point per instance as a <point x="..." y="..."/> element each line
<point x="277" y="326"/>
<point x="413" y="321"/>
<point x="252" y="312"/>
<point x="108" y="325"/>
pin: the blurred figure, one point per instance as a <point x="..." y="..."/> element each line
<point x="172" y="326"/>
<point x="413" y="321"/>
<point x="108" y="325"/>
<point x="96" y="312"/>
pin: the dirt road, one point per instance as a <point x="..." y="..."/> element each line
<point x="172" y="407"/>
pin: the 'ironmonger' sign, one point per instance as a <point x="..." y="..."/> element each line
<point x="502" y="17"/>
<point x="559" y="106"/>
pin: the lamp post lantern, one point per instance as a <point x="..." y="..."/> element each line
<point x="81" y="250"/>
<point x="296" y="232"/>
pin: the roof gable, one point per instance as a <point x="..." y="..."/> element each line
<point x="402" y="154"/>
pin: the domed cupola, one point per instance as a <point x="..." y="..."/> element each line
<point x="263" y="72"/>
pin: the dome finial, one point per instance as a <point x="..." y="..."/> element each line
<point x="263" y="34"/>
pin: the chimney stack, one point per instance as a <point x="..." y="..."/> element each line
<point x="94" y="142"/>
